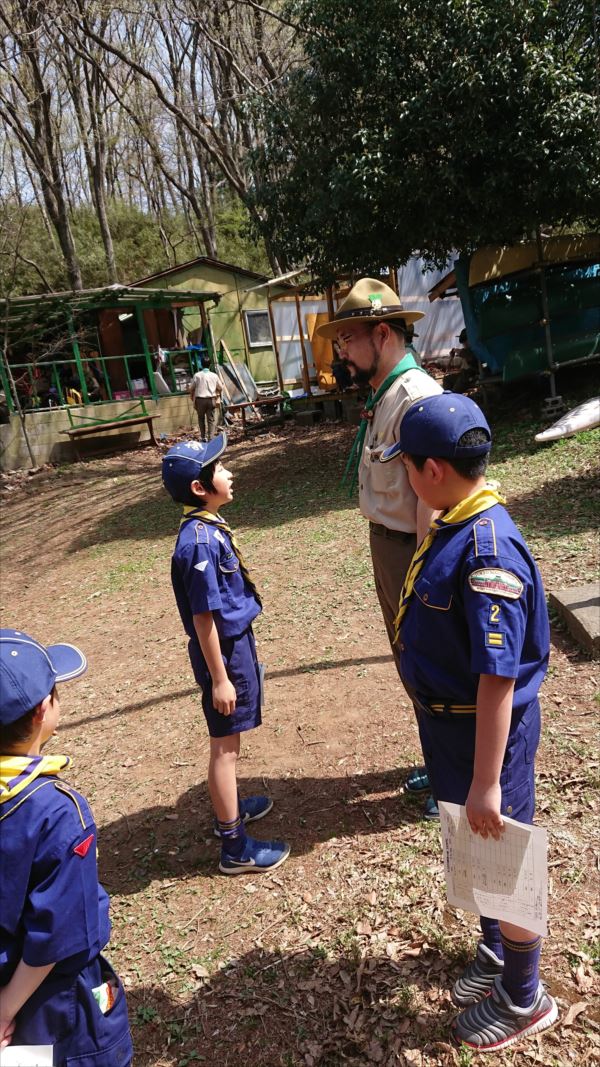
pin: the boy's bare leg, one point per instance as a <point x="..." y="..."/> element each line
<point x="222" y="780"/>
<point x="516" y="933"/>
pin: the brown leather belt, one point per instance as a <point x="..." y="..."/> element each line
<point x="392" y="535"/>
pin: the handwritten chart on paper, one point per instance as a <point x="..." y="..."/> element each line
<point x="505" y="879"/>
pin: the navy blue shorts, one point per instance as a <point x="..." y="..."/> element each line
<point x="63" y="1012"/>
<point x="448" y="743"/>
<point x="239" y="656"/>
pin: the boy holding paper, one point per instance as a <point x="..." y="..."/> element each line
<point x="473" y="634"/>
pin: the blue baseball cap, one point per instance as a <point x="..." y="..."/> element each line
<point x="29" y="672"/>
<point x="182" y="464"/>
<point x="435" y="425"/>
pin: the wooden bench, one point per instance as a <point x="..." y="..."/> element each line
<point x="260" y="402"/>
<point x="90" y="425"/>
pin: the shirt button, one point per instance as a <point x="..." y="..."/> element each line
<point x="426" y="597"/>
<point x="402" y="648"/>
<point x="509" y="809"/>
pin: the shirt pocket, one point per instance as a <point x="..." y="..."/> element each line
<point x="229" y="563"/>
<point x="437" y="597"/>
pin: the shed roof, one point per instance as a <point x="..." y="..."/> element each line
<point x="208" y="261"/>
<point x="45" y="307"/>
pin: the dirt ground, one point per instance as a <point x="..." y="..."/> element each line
<point x="346" y="953"/>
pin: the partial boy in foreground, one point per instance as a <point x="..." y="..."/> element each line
<point x="56" y="987"/>
<point x="218" y="603"/>
<point x="474" y="643"/>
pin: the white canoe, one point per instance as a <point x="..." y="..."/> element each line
<point x="584" y="417"/>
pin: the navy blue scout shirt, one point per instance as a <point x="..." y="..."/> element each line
<point x="52" y="907"/>
<point x="206" y="576"/>
<point x="478" y="608"/>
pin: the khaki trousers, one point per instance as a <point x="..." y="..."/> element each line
<point x="391" y="553"/>
<point x="208" y="417"/>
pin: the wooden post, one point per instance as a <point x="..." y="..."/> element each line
<point x="275" y="346"/>
<point x="305" y="377"/>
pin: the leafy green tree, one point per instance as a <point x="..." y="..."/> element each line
<point x="430" y="126"/>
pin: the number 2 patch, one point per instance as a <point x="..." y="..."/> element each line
<point x="494" y="615"/>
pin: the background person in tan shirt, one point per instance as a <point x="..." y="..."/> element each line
<point x="370" y="327"/>
<point x="205" y="391"/>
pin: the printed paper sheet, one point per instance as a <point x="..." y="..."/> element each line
<point x="505" y="879"/>
<point x="26" y="1056"/>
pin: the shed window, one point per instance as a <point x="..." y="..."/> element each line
<point x="258" y="329"/>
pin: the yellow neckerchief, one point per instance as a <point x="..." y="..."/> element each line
<point x="17" y="772"/>
<point x="473" y="505"/>
<point x="190" y="512"/>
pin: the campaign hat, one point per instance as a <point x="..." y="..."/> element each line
<point x="182" y="464"/>
<point x="370" y="300"/>
<point x="29" y="671"/>
<point x="434" y="426"/>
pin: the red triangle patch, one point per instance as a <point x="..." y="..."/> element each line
<point x="83" y="848"/>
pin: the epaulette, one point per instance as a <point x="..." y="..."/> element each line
<point x="201" y="532"/>
<point x="62" y="788"/>
<point x="484" y="536"/>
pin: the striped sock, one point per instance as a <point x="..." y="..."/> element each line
<point x="521" y="976"/>
<point x="233" y="836"/>
<point x="490" y="928"/>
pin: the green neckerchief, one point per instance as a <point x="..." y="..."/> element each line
<point x="353" y="464"/>
<point x="482" y="500"/>
<point x="209" y="517"/>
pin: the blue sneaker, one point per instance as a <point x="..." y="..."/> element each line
<point x="417" y="781"/>
<point x="257" y="856"/>
<point x="431" y="810"/>
<point x="251" y="809"/>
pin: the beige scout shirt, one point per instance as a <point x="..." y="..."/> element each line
<point x="205" y="384"/>
<point x="385" y="496"/>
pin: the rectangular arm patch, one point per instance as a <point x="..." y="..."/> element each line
<point x="494" y="639"/>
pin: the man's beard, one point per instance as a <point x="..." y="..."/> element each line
<point x="363" y="376"/>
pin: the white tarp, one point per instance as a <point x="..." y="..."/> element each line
<point x="438" y="331"/>
<point x="288" y="336"/>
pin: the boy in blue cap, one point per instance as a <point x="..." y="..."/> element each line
<point x="55" y="987"/>
<point x="473" y="634"/>
<point x="218" y="603"/>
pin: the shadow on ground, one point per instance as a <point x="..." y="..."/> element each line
<point x="176" y="840"/>
<point x="298" y="1008"/>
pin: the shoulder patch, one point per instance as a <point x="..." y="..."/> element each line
<point x="201" y="566"/>
<point x="201" y="533"/>
<point x="219" y="537"/>
<point x="496" y="582"/>
<point x="84" y="846"/>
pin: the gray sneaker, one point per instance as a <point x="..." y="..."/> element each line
<point x="478" y="978"/>
<point x="495" y="1022"/>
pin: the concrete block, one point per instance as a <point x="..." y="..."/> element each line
<point x="579" y="606"/>
<point x="308" y="417"/>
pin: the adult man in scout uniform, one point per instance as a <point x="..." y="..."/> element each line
<point x="370" y="328"/>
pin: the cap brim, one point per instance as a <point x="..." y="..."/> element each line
<point x="68" y="662"/>
<point x="214" y="449"/>
<point x="330" y="329"/>
<point x="391" y="452"/>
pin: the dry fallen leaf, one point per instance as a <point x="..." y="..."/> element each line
<point x="574" y="1011"/>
